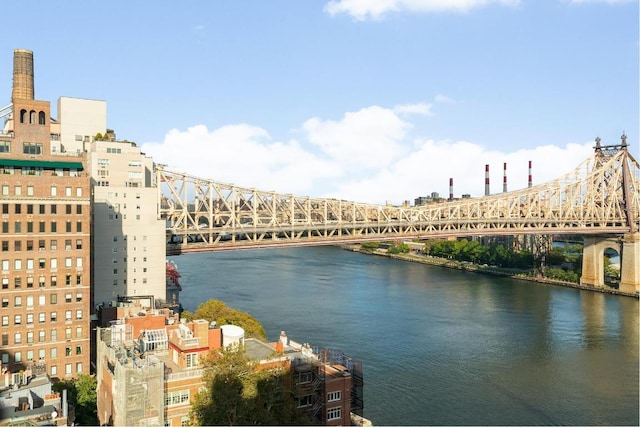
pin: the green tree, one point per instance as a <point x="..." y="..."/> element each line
<point x="239" y="393"/>
<point x="81" y="392"/>
<point x="215" y="310"/>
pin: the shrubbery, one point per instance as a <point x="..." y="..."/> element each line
<point x="215" y="310"/>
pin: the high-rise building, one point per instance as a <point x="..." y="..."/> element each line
<point x="44" y="238"/>
<point x="129" y="248"/>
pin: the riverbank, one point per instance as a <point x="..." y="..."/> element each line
<point x="475" y="268"/>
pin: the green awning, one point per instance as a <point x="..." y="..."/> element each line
<point x="41" y="164"/>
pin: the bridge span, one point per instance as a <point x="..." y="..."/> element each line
<point x="600" y="198"/>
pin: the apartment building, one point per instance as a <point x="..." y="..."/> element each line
<point x="44" y="240"/>
<point x="149" y="365"/>
<point x="149" y="368"/>
<point x="129" y="248"/>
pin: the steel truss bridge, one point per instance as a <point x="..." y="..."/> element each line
<point x="601" y="196"/>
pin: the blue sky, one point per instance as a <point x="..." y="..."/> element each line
<point x="367" y="100"/>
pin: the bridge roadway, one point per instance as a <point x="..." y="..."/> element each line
<point x="600" y="198"/>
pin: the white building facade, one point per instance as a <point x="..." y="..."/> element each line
<point x="129" y="248"/>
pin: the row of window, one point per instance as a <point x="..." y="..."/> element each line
<point x="53" y="370"/>
<point x="42" y="317"/>
<point x="42" y="245"/>
<point x="42" y="338"/>
<point x="334" y="396"/>
<point x="179" y="397"/>
<point x="53" y="281"/>
<point x="53" y="191"/>
<point x="17" y="227"/>
<point x="42" y="264"/>
<point x="36" y="170"/>
<point x="53" y="336"/>
<point x="42" y="299"/>
<point x="29" y="209"/>
<point x="31" y="115"/>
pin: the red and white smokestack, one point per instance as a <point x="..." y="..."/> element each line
<point x="504" y="179"/>
<point x="486" y="180"/>
<point x="450" y="188"/>
<point x="530" y="179"/>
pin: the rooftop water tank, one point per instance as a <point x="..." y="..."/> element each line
<point x="232" y="335"/>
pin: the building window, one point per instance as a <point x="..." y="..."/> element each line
<point x="192" y="360"/>
<point x="334" y="414"/>
<point x="54" y="318"/>
<point x="305" y="377"/>
<point x="67" y="369"/>
<point x="5" y="147"/>
<point x="31" y="148"/>
<point x="53" y="298"/>
<point x="304" y="401"/>
<point x="176" y="398"/>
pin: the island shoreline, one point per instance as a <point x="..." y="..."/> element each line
<point x="475" y="268"/>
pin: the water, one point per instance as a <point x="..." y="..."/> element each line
<point x="440" y="346"/>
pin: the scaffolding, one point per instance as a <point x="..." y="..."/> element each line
<point x="137" y="380"/>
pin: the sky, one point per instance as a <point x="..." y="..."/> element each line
<point x="376" y="101"/>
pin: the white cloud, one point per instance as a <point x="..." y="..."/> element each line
<point x="369" y="138"/>
<point x="376" y="9"/>
<point x="366" y="156"/>
<point x="423" y="109"/>
<point x="444" y="99"/>
<point x="240" y="154"/>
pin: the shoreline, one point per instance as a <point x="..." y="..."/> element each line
<point x="475" y="268"/>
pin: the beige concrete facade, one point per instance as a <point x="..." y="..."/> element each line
<point x="80" y="120"/>
<point x="129" y="250"/>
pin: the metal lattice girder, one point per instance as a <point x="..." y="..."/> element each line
<point x="600" y="196"/>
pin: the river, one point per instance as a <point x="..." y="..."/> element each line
<point x="440" y="346"/>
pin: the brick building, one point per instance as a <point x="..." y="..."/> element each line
<point x="44" y="238"/>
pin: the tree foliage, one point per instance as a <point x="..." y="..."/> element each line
<point x="238" y="393"/>
<point x="81" y="392"/>
<point x="473" y="251"/>
<point x="401" y="248"/>
<point x="215" y="310"/>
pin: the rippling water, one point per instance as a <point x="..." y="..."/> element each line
<point x="440" y="346"/>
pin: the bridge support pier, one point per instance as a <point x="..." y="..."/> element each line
<point x="593" y="261"/>
<point x="630" y="263"/>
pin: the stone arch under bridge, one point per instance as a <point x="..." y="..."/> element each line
<point x="628" y="246"/>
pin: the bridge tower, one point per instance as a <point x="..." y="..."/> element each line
<point x="628" y="246"/>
